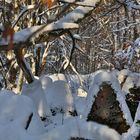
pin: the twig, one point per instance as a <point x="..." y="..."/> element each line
<point x="67" y="62"/>
<point x="29" y="121"/>
<point x="26" y="9"/>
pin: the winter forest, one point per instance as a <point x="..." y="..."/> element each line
<point x="69" y="70"/>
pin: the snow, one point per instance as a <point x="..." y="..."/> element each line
<point x="135" y="129"/>
<point x="80" y="105"/>
<point x="129" y="53"/>
<point x="132" y="80"/>
<point x="8" y="1"/>
<point x="14" y="114"/>
<point x="46" y="82"/>
<point x="67" y="22"/>
<point x="137" y="42"/>
<point x="122" y="74"/>
<point x="26" y="34"/>
<point x="94" y="89"/>
<point x="78" y="37"/>
<point x="5" y="91"/>
<point x="57" y="76"/>
<point x="36" y="93"/>
<point x="80" y="128"/>
<point x="16" y="109"/>
<point x="60" y="96"/>
<point x="128" y="84"/>
<point x="56" y="97"/>
<point x="81" y="92"/>
<point x="79" y="12"/>
<point x="82" y="3"/>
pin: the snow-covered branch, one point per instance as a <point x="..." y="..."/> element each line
<point x="67" y="22"/>
<point x="83" y="3"/>
<point x="25" y="35"/>
<point x="26" y="9"/>
<point x="80" y="12"/>
<point x="130" y="4"/>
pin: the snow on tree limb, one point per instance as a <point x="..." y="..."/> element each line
<point x="83" y="3"/>
<point x="26" y="34"/>
<point x="80" y="12"/>
<point x="130" y="4"/>
<point x="67" y="22"/>
<point x="26" y="9"/>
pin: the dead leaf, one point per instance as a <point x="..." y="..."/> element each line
<point x="49" y="3"/>
<point x="8" y="35"/>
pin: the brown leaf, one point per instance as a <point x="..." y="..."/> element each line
<point x="8" y="35"/>
<point x="49" y="3"/>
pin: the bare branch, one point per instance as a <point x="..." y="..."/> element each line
<point x="84" y="3"/>
<point x="23" y="65"/>
<point x="26" y="9"/>
<point x="67" y="22"/>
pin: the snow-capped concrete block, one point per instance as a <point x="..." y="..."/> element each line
<point x="106" y="103"/>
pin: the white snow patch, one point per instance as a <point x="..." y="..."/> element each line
<point x="60" y="96"/>
<point x="46" y="82"/>
<point x="132" y="80"/>
<point x="134" y="131"/>
<point x="36" y="93"/>
<point x="5" y="91"/>
<point x="80" y="128"/>
<point x="57" y="76"/>
<point x="14" y="114"/>
<point x="80" y="104"/>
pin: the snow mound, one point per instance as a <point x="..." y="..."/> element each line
<point x="80" y="100"/>
<point x="59" y="96"/>
<point x="11" y="104"/>
<point x="104" y="76"/>
<point x="76" y="127"/>
<point x="17" y="114"/>
<point x="46" y="82"/>
<point x="5" y="91"/>
<point x="36" y="93"/>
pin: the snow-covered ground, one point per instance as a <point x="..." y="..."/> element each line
<point x="55" y="107"/>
